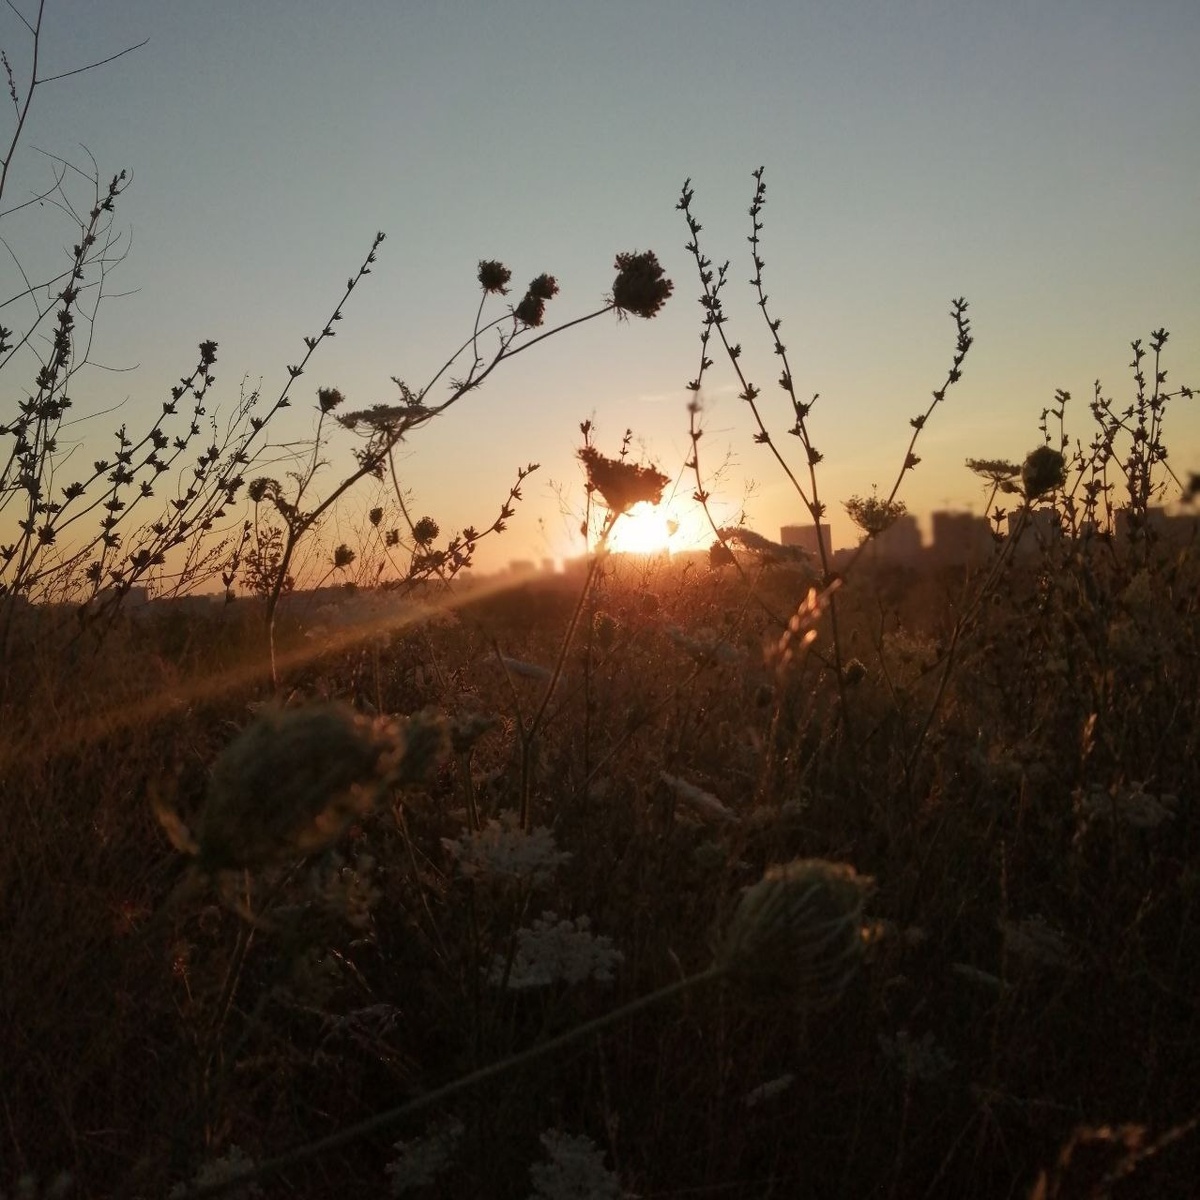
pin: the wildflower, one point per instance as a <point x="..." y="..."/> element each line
<point x="641" y="287"/>
<point x="552" y="951"/>
<point x="425" y="531"/>
<point x="621" y="484"/>
<point x="544" y="287"/>
<point x="531" y="310"/>
<point x="216" y="1171"/>
<point x="421" y="1160"/>
<point x="329" y="398"/>
<point x="575" y="1170"/>
<point x="1131" y="806"/>
<point x="768" y="1090"/>
<point x="799" y="929"/>
<point x="705" y="804"/>
<point x="288" y="785"/>
<point x="873" y="515"/>
<point x="343" y="556"/>
<point x="1044" y="470"/>
<point x="494" y="276"/>
<point x="502" y="849"/>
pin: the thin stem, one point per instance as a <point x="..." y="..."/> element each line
<point x="394" y="1116"/>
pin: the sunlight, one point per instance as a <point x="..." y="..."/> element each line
<point x="645" y="530"/>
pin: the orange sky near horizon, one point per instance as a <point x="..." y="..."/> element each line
<point x="1042" y="163"/>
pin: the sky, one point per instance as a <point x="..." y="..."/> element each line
<point x="1041" y="161"/>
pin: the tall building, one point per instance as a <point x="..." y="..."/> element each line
<point x="900" y="542"/>
<point x="805" y="536"/>
<point x="960" y="538"/>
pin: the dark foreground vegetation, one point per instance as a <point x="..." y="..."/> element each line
<point x="1012" y="759"/>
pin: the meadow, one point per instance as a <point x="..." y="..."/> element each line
<point x="764" y="874"/>
<point x="1018" y="1011"/>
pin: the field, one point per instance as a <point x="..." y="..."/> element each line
<point x="1009" y="753"/>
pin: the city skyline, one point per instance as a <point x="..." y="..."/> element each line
<point x="1042" y="165"/>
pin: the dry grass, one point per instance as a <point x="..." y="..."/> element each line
<point x="1032" y="971"/>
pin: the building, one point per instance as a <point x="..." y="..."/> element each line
<point x="960" y="538"/>
<point x="805" y="537"/>
<point x="900" y="543"/>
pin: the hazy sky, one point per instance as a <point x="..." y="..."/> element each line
<point x="1042" y="160"/>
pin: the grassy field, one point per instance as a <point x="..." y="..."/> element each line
<point x="1009" y="753"/>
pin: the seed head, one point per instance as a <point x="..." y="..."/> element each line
<point x="799" y="930"/>
<point x="641" y="286"/>
<point x="494" y="276"/>
<point x="291" y="782"/>
<point x="1044" y="470"/>
<point x="622" y="484"/>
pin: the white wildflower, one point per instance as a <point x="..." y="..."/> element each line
<point x="421" y="1160"/>
<point x="503" y="850"/>
<point x="554" y="950"/>
<point x="218" y="1170"/>
<point x="920" y="1059"/>
<point x="575" y="1170"/>
<point x="1131" y="806"/>
<point x="769" y="1090"/>
<point x="703" y="803"/>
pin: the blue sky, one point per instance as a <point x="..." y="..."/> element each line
<point x="1040" y="160"/>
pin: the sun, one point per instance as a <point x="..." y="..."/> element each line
<point x="644" y="529"/>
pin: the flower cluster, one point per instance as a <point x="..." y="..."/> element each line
<point x="641" y="286"/>
<point x="532" y="309"/>
<point x="420" y="1161"/>
<point x="556" y="951"/>
<point x="621" y="484"/>
<point x="575" y="1170"/>
<point x="503" y="850"/>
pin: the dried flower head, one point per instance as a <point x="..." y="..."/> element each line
<point x="494" y="276"/>
<point x="1043" y="470"/>
<point x="641" y="286"/>
<point x="621" y="484"/>
<point x="329" y="398"/>
<point x="799" y="929"/>
<point x="544" y="287"/>
<point x="531" y="310"/>
<point x="872" y="514"/>
<point x="289" y="784"/>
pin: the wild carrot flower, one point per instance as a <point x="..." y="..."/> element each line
<point x="555" y="950"/>
<point x="494" y="276"/>
<point x="621" y="484"/>
<point x="575" y="1170"/>
<point x="289" y="784"/>
<point x="799" y="930"/>
<point x="420" y="1161"/>
<point x="641" y="286"/>
<point x="503" y="850"/>
<point x="1043" y="470"/>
